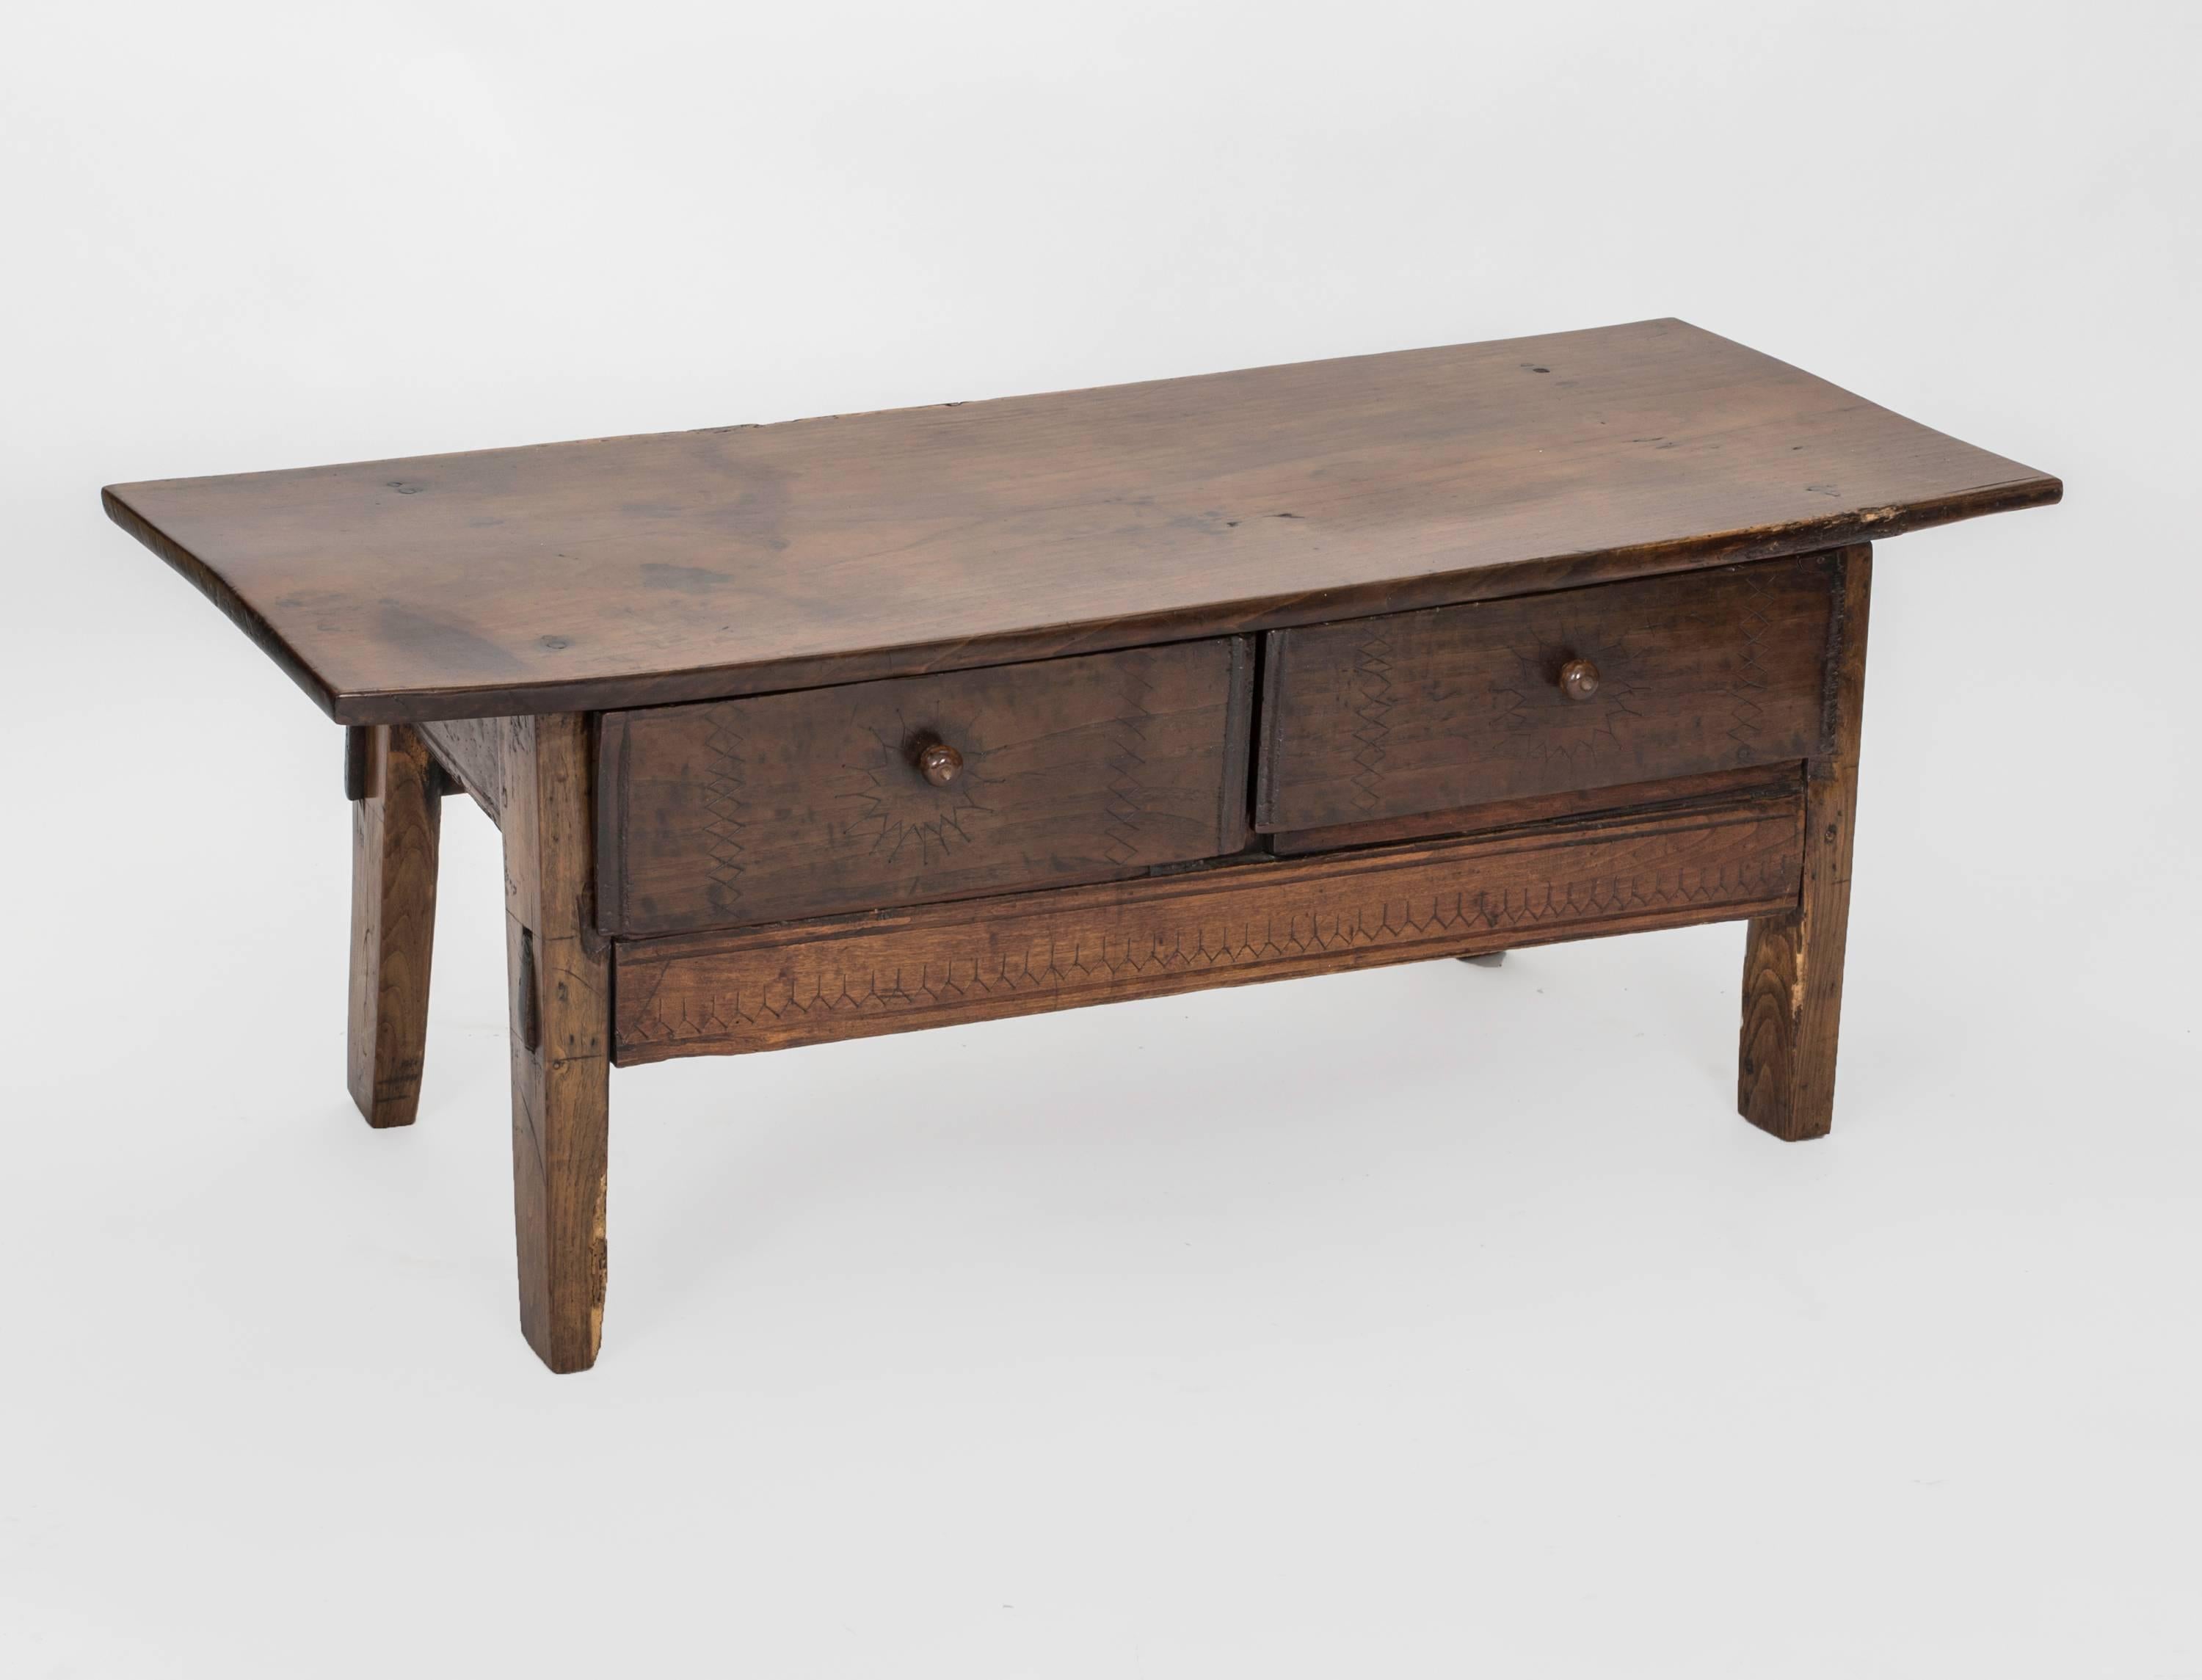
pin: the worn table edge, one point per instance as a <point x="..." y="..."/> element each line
<point x="1534" y="575"/>
<point x="241" y="613"/>
<point x="1528" y="574"/>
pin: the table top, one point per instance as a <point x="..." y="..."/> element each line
<point x="688" y="565"/>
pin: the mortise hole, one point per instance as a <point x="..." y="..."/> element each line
<point x="527" y="1008"/>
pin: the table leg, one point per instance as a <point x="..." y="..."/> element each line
<point x="396" y="814"/>
<point x="561" y="1036"/>
<point x="1793" y="963"/>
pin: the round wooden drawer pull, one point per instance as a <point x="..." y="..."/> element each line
<point x="939" y="762"/>
<point x="1579" y="679"/>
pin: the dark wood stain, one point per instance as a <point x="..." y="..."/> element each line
<point x="471" y="751"/>
<point x="782" y="806"/>
<point x="728" y="992"/>
<point x="806" y="732"/>
<point x="560" y="970"/>
<point x="397" y="825"/>
<point x="1668" y="794"/>
<point x="1793" y="963"/>
<point x="1456" y="706"/>
<point x="577" y="576"/>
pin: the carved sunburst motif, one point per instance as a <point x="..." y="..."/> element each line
<point x="894" y="811"/>
<point x="1532" y="720"/>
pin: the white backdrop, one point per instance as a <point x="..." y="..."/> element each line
<point x="1428" y="1321"/>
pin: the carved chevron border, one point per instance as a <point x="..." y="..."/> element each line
<point x="804" y="983"/>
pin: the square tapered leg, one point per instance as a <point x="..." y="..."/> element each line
<point x="561" y="985"/>
<point x="396" y="816"/>
<point x="1792" y="965"/>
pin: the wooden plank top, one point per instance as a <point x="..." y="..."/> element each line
<point x="688" y="565"/>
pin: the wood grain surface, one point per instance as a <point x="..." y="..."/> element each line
<point x="397" y="822"/>
<point x="690" y="566"/>
<point x="782" y="806"/>
<point x="1433" y="711"/>
<point x="471" y="752"/>
<point x="1669" y="793"/>
<point x="560" y="969"/>
<point x="1793" y="963"/>
<point x="1228" y="925"/>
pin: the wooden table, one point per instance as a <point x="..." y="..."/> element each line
<point x="888" y="720"/>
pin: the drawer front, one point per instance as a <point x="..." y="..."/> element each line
<point x="782" y="806"/>
<point x="1432" y="711"/>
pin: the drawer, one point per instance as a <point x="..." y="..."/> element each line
<point x="779" y="806"/>
<point x="1432" y="711"/>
